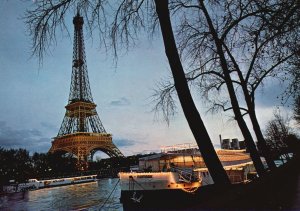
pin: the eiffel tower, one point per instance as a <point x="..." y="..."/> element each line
<point x="81" y="132"/>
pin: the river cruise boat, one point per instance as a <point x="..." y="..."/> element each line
<point x="177" y="174"/>
<point x="34" y="184"/>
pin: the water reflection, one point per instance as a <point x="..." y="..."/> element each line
<point x="88" y="196"/>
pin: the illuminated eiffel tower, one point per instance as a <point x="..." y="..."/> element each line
<point x="81" y="132"/>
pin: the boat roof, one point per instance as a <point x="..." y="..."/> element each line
<point x="152" y="157"/>
<point x="230" y="167"/>
<point x="224" y="155"/>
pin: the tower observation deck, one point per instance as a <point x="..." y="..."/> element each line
<point x="81" y="132"/>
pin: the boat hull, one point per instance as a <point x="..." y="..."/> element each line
<point x="170" y="199"/>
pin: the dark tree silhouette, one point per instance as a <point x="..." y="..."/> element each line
<point x="251" y="41"/>
<point x="18" y="165"/>
<point x="234" y="101"/>
<point x="256" y="42"/>
<point x="277" y="132"/>
<point x="190" y="111"/>
<point x="128" y="18"/>
<point x="297" y="109"/>
<point x="293" y="143"/>
<point x="15" y="165"/>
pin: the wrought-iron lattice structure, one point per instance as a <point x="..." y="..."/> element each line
<point x="81" y="132"/>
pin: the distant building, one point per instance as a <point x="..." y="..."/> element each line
<point x="235" y="143"/>
<point x="225" y="144"/>
<point x="242" y="144"/>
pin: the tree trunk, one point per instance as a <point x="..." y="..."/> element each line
<point x="251" y="110"/>
<point x="234" y="102"/>
<point x="242" y="124"/>
<point x="260" y="138"/>
<point x="190" y="111"/>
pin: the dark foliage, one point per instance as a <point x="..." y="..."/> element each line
<point x="280" y="138"/>
<point x="15" y="164"/>
<point x="297" y="109"/>
<point x="18" y="165"/>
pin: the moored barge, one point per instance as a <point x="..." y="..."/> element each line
<point x="177" y="176"/>
<point x="34" y="184"/>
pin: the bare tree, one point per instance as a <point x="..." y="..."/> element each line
<point x="297" y="109"/>
<point x="191" y="113"/>
<point x="227" y="78"/>
<point x="277" y="129"/>
<point x="250" y="40"/>
<point x="277" y="134"/>
<point x="128" y="17"/>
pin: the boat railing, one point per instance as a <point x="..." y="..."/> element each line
<point x="186" y="176"/>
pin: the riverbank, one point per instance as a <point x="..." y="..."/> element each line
<point x="277" y="190"/>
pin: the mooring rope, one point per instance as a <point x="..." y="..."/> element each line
<point x="137" y="183"/>
<point x="109" y="194"/>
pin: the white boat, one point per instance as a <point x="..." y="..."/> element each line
<point x="34" y="184"/>
<point x="154" y="187"/>
<point x="175" y="175"/>
<point x="158" y="181"/>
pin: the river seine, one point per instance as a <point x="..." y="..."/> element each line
<point x="87" y="196"/>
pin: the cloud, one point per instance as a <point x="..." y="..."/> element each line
<point x="49" y="126"/>
<point x="270" y="94"/>
<point x="31" y="140"/>
<point x="123" y="101"/>
<point x="123" y="142"/>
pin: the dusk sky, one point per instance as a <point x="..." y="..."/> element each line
<point x="33" y="97"/>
